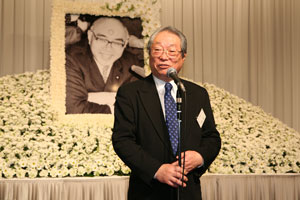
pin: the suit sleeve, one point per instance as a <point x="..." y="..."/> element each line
<point x="124" y="138"/>
<point x="76" y="92"/>
<point x="211" y="142"/>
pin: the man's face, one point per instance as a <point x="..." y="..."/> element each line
<point x="107" y="39"/>
<point x="165" y="53"/>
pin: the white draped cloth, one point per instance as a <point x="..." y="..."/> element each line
<point x="214" y="187"/>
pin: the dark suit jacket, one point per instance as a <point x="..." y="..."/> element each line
<point x="83" y="76"/>
<point x="140" y="138"/>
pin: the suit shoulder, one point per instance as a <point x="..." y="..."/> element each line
<point x="194" y="86"/>
<point x="131" y="86"/>
<point x="77" y="49"/>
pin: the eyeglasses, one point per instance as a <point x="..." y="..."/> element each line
<point x="171" y="52"/>
<point x="104" y="42"/>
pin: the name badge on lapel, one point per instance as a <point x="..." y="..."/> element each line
<point x="201" y="118"/>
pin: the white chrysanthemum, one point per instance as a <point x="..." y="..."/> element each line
<point x="8" y="172"/>
<point x="44" y="173"/>
<point x="32" y="173"/>
<point x="53" y="172"/>
<point x="20" y="173"/>
<point x="32" y="141"/>
<point x="81" y="171"/>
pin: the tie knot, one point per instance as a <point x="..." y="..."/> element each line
<point x="168" y="87"/>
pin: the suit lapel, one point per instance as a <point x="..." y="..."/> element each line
<point x="187" y="107"/>
<point x="151" y="103"/>
<point x="184" y="124"/>
<point x="95" y="74"/>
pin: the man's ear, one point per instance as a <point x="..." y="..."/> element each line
<point x="184" y="56"/>
<point x="89" y="34"/>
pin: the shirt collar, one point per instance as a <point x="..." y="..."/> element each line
<point x="160" y="85"/>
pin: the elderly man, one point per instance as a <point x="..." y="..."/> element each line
<point x="145" y="133"/>
<point x="97" y="67"/>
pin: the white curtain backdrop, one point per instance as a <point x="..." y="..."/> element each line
<point x="25" y="35"/>
<point x="250" y="48"/>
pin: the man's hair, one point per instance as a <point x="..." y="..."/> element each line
<point x="170" y="29"/>
<point x="111" y="18"/>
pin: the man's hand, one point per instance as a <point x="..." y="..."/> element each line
<point x="192" y="160"/>
<point x="103" y="98"/>
<point x="171" y="174"/>
<point x="135" y="42"/>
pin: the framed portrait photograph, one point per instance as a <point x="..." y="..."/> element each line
<point x="97" y="46"/>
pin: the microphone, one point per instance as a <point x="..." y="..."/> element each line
<point x="172" y="73"/>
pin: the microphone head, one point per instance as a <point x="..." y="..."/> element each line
<point x="170" y="71"/>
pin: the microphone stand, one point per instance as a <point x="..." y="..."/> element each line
<point x="179" y="118"/>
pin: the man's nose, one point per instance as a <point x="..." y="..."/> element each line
<point x="164" y="55"/>
<point x="108" y="44"/>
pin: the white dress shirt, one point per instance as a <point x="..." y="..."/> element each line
<point x="160" y="86"/>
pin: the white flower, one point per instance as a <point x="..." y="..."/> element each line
<point x="109" y="171"/>
<point x="33" y="143"/>
<point x="73" y="172"/>
<point x="8" y="172"/>
<point x="53" y="172"/>
<point x="125" y="169"/>
<point x="20" y="173"/>
<point x="81" y="171"/>
<point x="44" y="173"/>
<point x="23" y="163"/>
<point x="32" y="173"/>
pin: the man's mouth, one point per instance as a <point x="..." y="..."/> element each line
<point x="164" y="66"/>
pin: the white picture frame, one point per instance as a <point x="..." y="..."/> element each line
<point x="147" y="10"/>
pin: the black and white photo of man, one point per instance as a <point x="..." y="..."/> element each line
<point x="97" y="65"/>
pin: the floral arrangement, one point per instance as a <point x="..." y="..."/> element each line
<point x="252" y="140"/>
<point x="34" y="143"/>
<point x="147" y="10"/>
